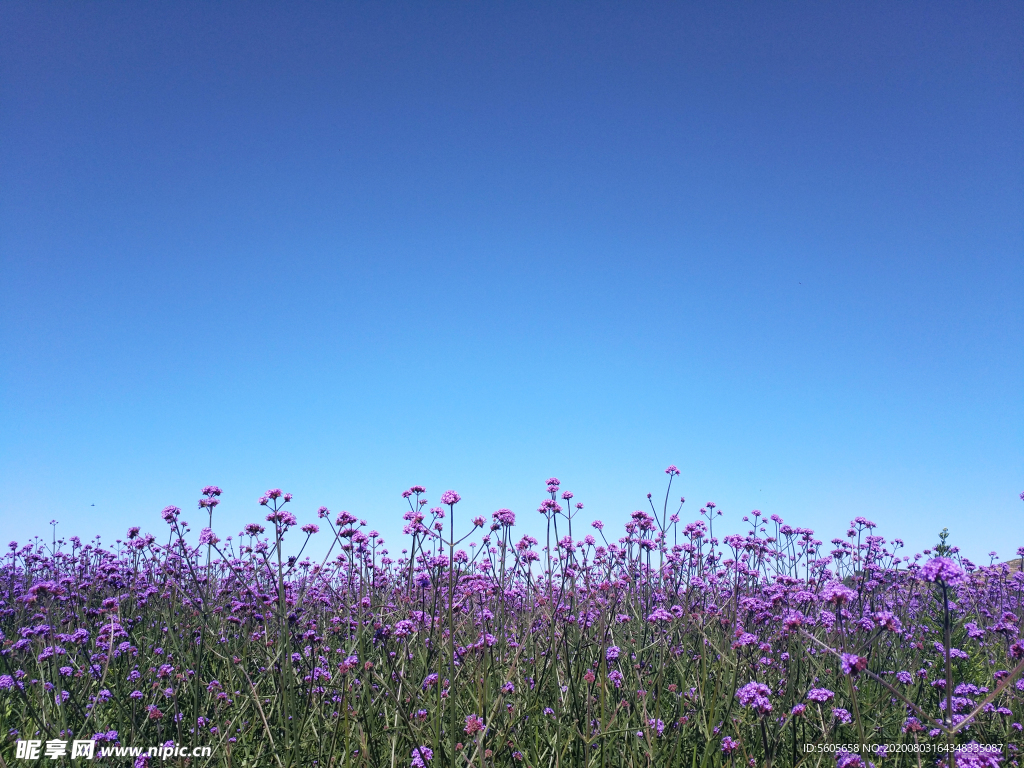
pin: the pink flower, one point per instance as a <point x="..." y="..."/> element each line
<point x="450" y="498"/>
<point x="474" y="724"/>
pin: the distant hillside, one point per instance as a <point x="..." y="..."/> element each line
<point x="1014" y="564"/>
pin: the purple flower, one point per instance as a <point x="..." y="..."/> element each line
<point x="344" y="519"/>
<point x="282" y="519"/>
<point x="846" y="759"/>
<point x="206" y="536"/>
<point x="842" y="715"/>
<point x="612" y="653"/>
<point x="549" y="506"/>
<point x="744" y="640"/>
<point x="755" y="695"/>
<point x="852" y="664"/>
<point x="450" y="498"/>
<point x="80" y="636"/>
<point x="886" y="620"/>
<point x="941" y="569"/>
<point x="837" y="593"/>
<point x="821" y="695"/>
<point x="505" y="517"/>
<point x="170" y="515"/>
<point x="659" y="614"/>
<point x="729" y="745"/>
<point x="421" y="756"/>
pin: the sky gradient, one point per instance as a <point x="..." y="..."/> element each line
<point x="346" y="248"/>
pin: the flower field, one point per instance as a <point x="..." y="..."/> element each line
<point x="474" y="646"/>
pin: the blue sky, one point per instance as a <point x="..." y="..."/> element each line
<point x="346" y="248"/>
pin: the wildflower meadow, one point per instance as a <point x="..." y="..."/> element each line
<point x="666" y="644"/>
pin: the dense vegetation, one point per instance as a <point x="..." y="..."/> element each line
<point x="665" y="647"/>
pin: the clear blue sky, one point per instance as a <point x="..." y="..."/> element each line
<point x="346" y="248"/>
